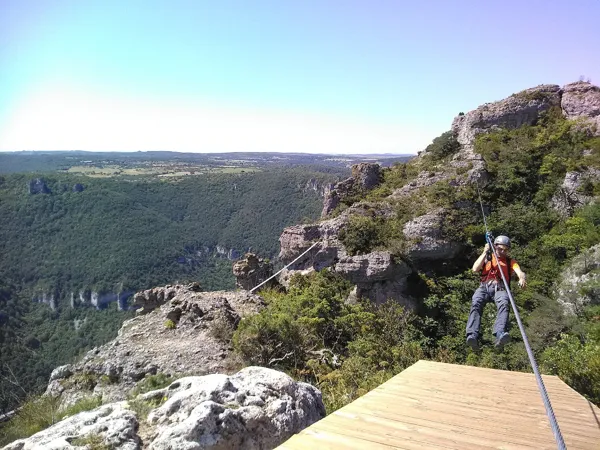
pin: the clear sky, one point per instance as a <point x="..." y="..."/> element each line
<point x="313" y="76"/>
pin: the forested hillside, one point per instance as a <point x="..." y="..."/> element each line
<point x="81" y="241"/>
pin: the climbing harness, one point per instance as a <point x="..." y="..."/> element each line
<point x="549" y="411"/>
<point x="285" y="267"/>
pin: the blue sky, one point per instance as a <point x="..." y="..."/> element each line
<point x="314" y="76"/>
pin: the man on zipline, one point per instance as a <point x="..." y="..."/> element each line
<point x="492" y="288"/>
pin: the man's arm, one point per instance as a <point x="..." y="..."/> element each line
<point x="521" y="275"/>
<point x="479" y="263"/>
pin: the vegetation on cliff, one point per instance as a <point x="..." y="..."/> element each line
<point x="348" y="349"/>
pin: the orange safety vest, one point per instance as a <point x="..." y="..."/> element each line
<point x="490" y="270"/>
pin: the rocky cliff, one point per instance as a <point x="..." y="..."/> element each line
<point x="426" y="236"/>
<point x="178" y="330"/>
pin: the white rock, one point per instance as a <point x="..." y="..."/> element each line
<point x="256" y="408"/>
<point x="115" y="424"/>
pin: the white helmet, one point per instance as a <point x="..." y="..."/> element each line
<point x="502" y="240"/>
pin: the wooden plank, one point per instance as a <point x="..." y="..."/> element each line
<point x="313" y="439"/>
<point x="439" y="405"/>
<point x="517" y="433"/>
<point x="484" y="399"/>
<point x="453" y="423"/>
<point x="529" y="385"/>
<point x="425" y="432"/>
<point x="490" y="415"/>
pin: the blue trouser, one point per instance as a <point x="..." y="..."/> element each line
<point x="486" y="293"/>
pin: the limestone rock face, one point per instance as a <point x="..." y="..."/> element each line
<point x="426" y="234"/>
<point x="191" y="333"/>
<point x="296" y="239"/>
<point x="377" y="276"/>
<point x="251" y="271"/>
<point x="424" y="179"/>
<point x="375" y="266"/>
<point x="113" y="424"/>
<point x="579" y="284"/>
<point x="519" y="109"/>
<point x="569" y="197"/>
<point x="257" y="408"/>
<point x="151" y="299"/>
<point x="61" y="372"/>
<point x="582" y="100"/>
<point x="365" y="176"/>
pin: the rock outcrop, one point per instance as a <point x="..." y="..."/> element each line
<point x="112" y="425"/>
<point x="151" y="299"/>
<point x="189" y="333"/>
<point x="257" y="408"/>
<point x="572" y="193"/>
<point x="579" y="284"/>
<point x="519" y="109"/>
<point x="426" y="239"/>
<point x="38" y="186"/>
<point x="251" y="271"/>
<point x="581" y="100"/>
<point x="377" y="275"/>
<point x="365" y="176"/>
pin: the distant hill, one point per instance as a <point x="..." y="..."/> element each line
<point x="50" y="161"/>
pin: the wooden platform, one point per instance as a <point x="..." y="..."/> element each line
<point x="436" y="405"/>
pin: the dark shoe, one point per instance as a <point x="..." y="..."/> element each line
<point x="472" y="342"/>
<point x="502" y="339"/>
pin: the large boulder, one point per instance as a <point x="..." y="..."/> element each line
<point x="375" y="266"/>
<point x="251" y="271"/>
<point x="257" y="408"/>
<point x="365" y="176"/>
<point x="151" y="299"/>
<point x="111" y="426"/>
<point x="426" y="238"/>
<point x="581" y="100"/>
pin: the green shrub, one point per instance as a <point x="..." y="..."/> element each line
<point x="37" y="414"/>
<point x="361" y="235"/>
<point x="85" y="404"/>
<point x="309" y="317"/>
<point x="91" y="442"/>
<point x="142" y="407"/>
<point x="442" y="146"/>
<point x="152" y="383"/>
<point x="169" y="324"/>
